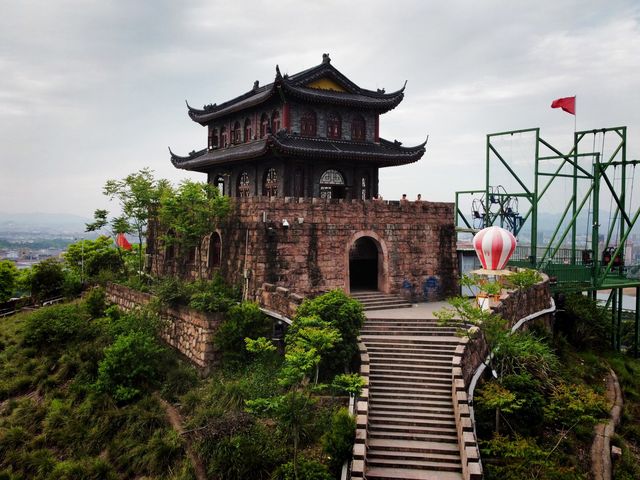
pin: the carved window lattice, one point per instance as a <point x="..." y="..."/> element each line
<point x="271" y="183"/>
<point x="358" y="128"/>
<point x="244" y="188"/>
<point x="247" y="130"/>
<point x="237" y="133"/>
<point x="334" y="125"/>
<point x="224" y="138"/>
<point x="264" y="125"/>
<point x="275" y="122"/>
<point x="364" y="187"/>
<point x="332" y="184"/>
<point x="308" y="124"/>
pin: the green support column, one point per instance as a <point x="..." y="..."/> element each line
<point x="614" y="305"/>
<point x="619" y="323"/>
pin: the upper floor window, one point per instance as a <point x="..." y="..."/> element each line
<point x="224" y="137"/>
<point x="364" y="187"/>
<point x="270" y="187"/>
<point x="334" y="125"/>
<point x="243" y="185"/>
<point x="237" y="133"/>
<point x="213" y="138"/>
<point x="358" y="128"/>
<point x="247" y="130"/>
<point x="219" y="182"/>
<point x="215" y="247"/>
<point x="264" y="125"/>
<point x="332" y="184"/>
<point x="275" y="121"/>
<point x="308" y="123"/>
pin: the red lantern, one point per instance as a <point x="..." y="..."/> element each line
<point x="494" y="246"/>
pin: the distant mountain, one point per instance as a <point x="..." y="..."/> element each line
<point x="41" y="222"/>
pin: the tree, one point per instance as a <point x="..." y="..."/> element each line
<point x="138" y="196"/>
<point x="346" y="316"/>
<point x="45" y="279"/>
<point x="87" y="258"/>
<point x="8" y="279"/>
<point x="190" y="213"/>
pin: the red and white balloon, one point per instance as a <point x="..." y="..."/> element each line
<point x="494" y="246"/>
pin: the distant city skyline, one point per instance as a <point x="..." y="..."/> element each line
<point x="95" y="90"/>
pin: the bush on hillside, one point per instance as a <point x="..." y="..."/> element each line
<point x="338" y="442"/>
<point x="344" y="314"/>
<point x="242" y="321"/>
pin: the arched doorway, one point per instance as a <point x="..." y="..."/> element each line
<point x="364" y="264"/>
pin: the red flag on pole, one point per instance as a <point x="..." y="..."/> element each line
<point x="568" y="104"/>
<point x="122" y="242"/>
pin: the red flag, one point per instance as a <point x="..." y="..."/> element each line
<point x="122" y="242"/>
<point x="568" y="104"/>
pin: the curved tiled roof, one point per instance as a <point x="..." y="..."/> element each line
<point x="383" y="154"/>
<point x="295" y="86"/>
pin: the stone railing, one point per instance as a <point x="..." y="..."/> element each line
<point x="278" y="299"/>
<point x="362" y="413"/>
<point x="187" y="330"/>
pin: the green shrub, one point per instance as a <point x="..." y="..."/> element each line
<point x="8" y="279"/>
<point x="131" y="366"/>
<point x="95" y="302"/>
<point x="57" y="326"/>
<point x="242" y="321"/>
<point x="172" y="291"/>
<point x="338" y="442"/>
<point x="346" y="315"/>
<point x="523" y="278"/>
<point x="90" y="257"/>
<point x="585" y="323"/>
<point x="304" y="469"/>
<point x="212" y="296"/>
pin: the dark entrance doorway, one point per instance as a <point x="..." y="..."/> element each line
<point x="363" y="265"/>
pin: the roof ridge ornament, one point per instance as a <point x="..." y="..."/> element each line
<point x="256" y="85"/>
<point x="326" y="58"/>
<point x="278" y="74"/>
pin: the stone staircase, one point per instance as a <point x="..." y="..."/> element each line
<point x="375" y="300"/>
<point x="411" y="428"/>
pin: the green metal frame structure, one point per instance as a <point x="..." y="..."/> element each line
<point x="592" y="175"/>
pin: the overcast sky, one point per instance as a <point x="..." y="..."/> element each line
<point x="92" y="90"/>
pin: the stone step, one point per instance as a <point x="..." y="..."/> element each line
<point x="382" y="473"/>
<point x="386" y="393"/>
<point x="418" y="354"/>
<point x="414" y="446"/>
<point x="414" y="464"/>
<point x="416" y="436"/>
<point x="390" y="372"/>
<point x="450" y="340"/>
<point x="436" y="404"/>
<point x="411" y="377"/>
<point x="386" y="411"/>
<point x="384" y="343"/>
<point x="392" y="306"/>
<point x="436" y="457"/>
<point x="422" y="332"/>
<point x="404" y="386"/>
<point x="418" y="422"/>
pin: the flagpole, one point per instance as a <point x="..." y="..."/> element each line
<point x="575" y="115"/>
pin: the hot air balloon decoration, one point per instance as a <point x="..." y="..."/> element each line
<point x="494" y="247"/>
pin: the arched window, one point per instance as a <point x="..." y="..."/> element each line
<point x="219" y="182"/>
<point x="247" y="130"/>
<point x="224" y="137"/>
<point x="358" y="128"/>
<point x="334" y="125"/>
<point x="270" y="185"/>
<point x="237" y="133"/>
<point x="264" y="125"/>
<point x="332" y="185"/>
<point x="215" y="247"/>
<point x="213" y="138"/>
<point x="308" y="123"/>
<point x="275" y="121"/>
<point x="243" y="185"/>
<point x="365" y="187"/>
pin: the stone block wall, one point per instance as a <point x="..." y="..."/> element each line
<point x="189" y="331"/>
<point x="278" y="299"/>
<point x="513" y="306"/>
<point x="415" y="240"/>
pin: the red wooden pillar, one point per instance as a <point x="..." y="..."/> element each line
<point x="286" y="119"/>
<point x="377" y="125"/>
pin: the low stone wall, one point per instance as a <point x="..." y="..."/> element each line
<point x="513" y="306"/>
<point x="362" y="415"/>
<point x="188" y="331"/>
<point x="278" y="299"/>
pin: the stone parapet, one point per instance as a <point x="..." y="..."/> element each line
<point x="278" y="299"/>
<point x="187" y="330"/>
